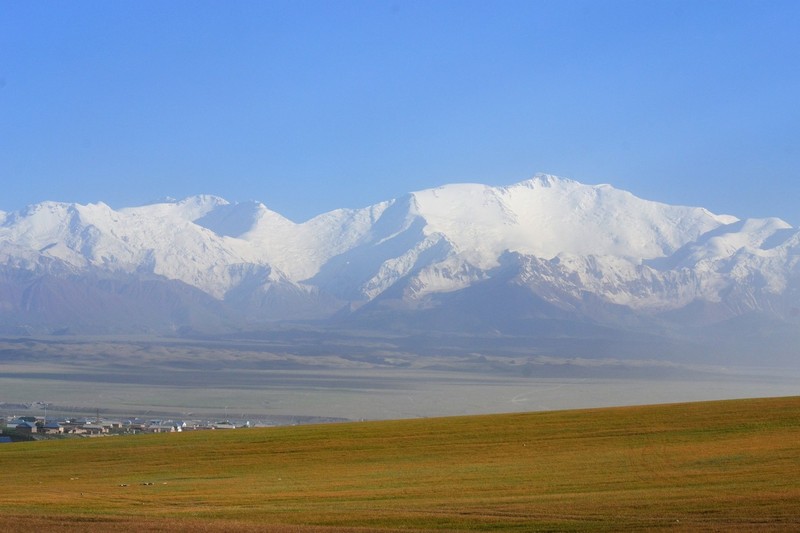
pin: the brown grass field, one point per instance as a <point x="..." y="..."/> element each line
<point x="713" y="466"/>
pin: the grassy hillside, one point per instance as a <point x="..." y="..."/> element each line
<point x="723" y="466"/>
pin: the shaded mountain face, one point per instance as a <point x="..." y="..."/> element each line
<point x="464" y="257"/>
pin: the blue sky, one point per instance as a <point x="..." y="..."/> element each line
<point x="309" y="105"/>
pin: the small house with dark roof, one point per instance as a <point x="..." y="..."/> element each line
<point x="52" y="428"/>
<point x="26" y="428"/>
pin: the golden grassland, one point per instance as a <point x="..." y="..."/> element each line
<point x="717" y="466"/>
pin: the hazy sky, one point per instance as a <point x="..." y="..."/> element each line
<point x="311" y="105"/>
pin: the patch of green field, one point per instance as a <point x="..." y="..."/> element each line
<point x="732" y="465"/>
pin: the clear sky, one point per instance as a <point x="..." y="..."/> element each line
<point x="312" y="105"/>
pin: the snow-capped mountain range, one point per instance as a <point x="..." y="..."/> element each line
<point x="544" y="248"/>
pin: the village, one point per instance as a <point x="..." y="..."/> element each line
<point x="36" y="421"/>
<point x="24" y="428"/>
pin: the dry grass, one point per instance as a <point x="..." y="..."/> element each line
<point x="704" y="466"/>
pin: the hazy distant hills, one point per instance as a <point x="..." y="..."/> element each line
<point x="464" y="257"/>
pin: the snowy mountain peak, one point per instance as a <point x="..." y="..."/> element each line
<point x="547" y="180"/>
<point x="195" y="207"/>
<point x="209" y="200"/>
<point x="761" y="236"/>
<point x="547" y="216"/>
<point x="188" y="209"/>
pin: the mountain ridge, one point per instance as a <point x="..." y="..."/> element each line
<point x="556" y="247"/>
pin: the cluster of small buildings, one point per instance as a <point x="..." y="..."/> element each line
<point x="31" y="425"/>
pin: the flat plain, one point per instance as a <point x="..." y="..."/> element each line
<point x="714" y="466"/>
<point x="307" y="376"/>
